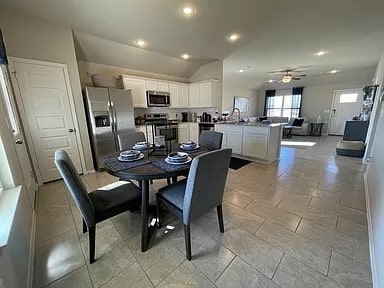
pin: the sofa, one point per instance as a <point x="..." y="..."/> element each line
<point x="276" y="119"/>
<point x="302" y="130"/>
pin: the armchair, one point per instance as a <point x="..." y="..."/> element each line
<point x="302" y="130"/>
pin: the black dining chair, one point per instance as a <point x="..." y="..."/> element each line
<point x="99" y="205"/>
<point x="201" y="192"/>
<point x="128" y="139"/>
<point x="212" y="140"/>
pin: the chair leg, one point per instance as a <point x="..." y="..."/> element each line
<point x="168" y="181"/>
<point x="84" y="227"/>
<point x="158" y="214"/>
<point x="220" y="216"/>
<point x="187" y="235"/>
<point x="92" y="240"/>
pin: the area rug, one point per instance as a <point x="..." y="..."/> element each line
<point x="237" y="163"/>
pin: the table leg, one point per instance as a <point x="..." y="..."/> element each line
<point x="144" y="214"/>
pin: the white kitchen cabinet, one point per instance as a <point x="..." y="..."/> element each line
<point x="194" y="91"/>
<point x="235" y="141"/>
<point x="175" y="95"/>
<point x="137" y="87"/>
<point x="255" y="145"/>
<point x="194" y="132"/>
<point x="163" y="86"/>
<point x="205" y="95"/>
<point x="183" y="96"/>
<point x="183" y="133"/>
<point x="151" y="85"/>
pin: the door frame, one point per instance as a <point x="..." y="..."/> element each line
<point x="333" y="103"/>
<point x="19" y="101"/>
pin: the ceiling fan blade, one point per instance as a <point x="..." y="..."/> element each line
<point x="276" y="72"/>
<point x="302" y="75"/>
<point x="295" y="78"/>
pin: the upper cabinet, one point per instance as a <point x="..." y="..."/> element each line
<point x="196" y="95"/>
<point x="138" y="89"/>
<point x="203" y="94"/>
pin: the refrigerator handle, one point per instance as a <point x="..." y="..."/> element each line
<point x="114" y="115"/>
<point x="111" y="116"/>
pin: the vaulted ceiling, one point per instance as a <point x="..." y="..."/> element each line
<point x="274" y="34"/>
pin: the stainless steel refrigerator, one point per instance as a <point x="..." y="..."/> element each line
<point x="109" y="112"/>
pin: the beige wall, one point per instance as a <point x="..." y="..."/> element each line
<point x="317" y="100"/>
<point x="375" y="185"/>
<point x="32" y="38"/>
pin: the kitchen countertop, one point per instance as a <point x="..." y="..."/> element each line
<point x="251" y="124"/>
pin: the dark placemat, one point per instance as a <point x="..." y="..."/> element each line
<point x="192" y="153"/>
<point x="115" y="165"/>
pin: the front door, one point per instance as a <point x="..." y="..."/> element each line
<point x="346" y="105"/>
<point x="44" y="97"/>
<point x="15" y="127"/>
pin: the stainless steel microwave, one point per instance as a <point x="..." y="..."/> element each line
<point x="158" y="99"/>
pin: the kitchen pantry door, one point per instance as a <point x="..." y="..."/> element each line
<point x="346" y="105"/>
<point x="49" y="116"/>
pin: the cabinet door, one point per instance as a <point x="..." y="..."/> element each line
<point x="194" y="95"/>
<point x="255" y="145"/>
<point x="205" y="94"/>
<point x="234" y="140"/>
<point x="183" y="96"/>
<point x="163" y="86"/>
<point x="151" y="85"/>
<point x="194" y="135"/>
<point x="183" y="135"/>
<point x="137" y="87"/>
<point x="175" y="95"/>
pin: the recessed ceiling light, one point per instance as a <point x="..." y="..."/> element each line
<point x="321" y="53"/>
<point x="141" y="43"/>
<point x="270" y="81"/>
<point x="233" y="37"/>
<point x="333" y="71"/>
<point x="185" y="56"/>
<point x="187" y="10"/>
<point x="241" y="70"/>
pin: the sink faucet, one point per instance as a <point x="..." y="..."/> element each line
<point x="238" y="114"/>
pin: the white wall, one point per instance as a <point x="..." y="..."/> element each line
<point x="32" y="38"/>
<point x="375" y="185"/>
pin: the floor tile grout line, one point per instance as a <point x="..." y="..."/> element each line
<point x="162" y="280"/>
<point x="225" y="269"/>
<point x="61" y="277"/>
<point x="277" y="267"/>
<point x="297" y="227"/>
<point x="329" y="262"/>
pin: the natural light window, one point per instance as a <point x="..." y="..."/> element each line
<point x="4" y="90"/>
<point x="348" y="98"/>
<point x="283" y="106"/>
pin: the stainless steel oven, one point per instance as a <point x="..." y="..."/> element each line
<point x="158" y="99"/>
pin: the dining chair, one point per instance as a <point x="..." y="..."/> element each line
<point x="201" y="192"/>
<point x="212" y="140"/>
<point x="128" y="139"/>
<point x="99" y="205"/>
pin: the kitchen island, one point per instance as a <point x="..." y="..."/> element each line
<point x="252" y="141"/>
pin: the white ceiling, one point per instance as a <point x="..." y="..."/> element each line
<point x="275" y="34"/>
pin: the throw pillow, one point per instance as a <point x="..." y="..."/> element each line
<point x="298" y="122"/>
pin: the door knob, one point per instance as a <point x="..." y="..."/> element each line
<point x="18" y="141"/>
<point x="71" y="130"/>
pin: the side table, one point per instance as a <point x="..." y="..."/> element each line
<point x="316" y="129"/>
<point x="287" y="131"/>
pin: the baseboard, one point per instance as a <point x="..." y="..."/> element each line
<point x="372" y="254"/>
<point x="31" y="261"/>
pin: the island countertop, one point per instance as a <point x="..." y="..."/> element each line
<point x="252" y="124"/>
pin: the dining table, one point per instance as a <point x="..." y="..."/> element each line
<point x="144" y="171"/>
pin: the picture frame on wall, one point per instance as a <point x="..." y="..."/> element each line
<point x="242" y="103"/>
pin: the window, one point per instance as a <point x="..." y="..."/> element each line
<point x="348" y="98"/>
<point x="7" y="99"/>
<point x="283" y="103"/>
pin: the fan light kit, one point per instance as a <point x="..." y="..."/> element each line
<point x="286" y="78"/>
<point x="333" y="71"/>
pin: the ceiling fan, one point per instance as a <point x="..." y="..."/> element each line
<point x="288" y="74"/>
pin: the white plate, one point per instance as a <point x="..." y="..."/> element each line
<point x="141" y="156"/>
<point x="142" y="147"/>
<point x="189" y="149"/>
<point x="189" y="159"/>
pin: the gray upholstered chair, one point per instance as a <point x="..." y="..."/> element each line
<point x="211" y="140"/>
<point x="201" y="192"/>
<point x="128" y="139"/>
<point x="100" y="204"/>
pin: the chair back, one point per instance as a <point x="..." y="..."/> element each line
<point x="206" y="182"/>
<point x="211" y="140"/>
<point x="75" y="186"/>
<point x="128" y="139"/>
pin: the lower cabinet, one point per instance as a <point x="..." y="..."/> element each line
<point x="234" y="141"/>
<point x="255" y="145"/>
<point x="183" y="135"/>
<point x="194" y="132"/>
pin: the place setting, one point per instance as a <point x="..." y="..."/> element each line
<point x="142" y="146"/>
<point x="126" y="160"/>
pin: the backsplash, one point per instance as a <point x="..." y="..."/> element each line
<point x="174" y="112"/>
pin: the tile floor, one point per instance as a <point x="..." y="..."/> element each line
<point x="300" y="222"/>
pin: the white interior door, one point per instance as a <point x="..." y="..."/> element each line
<point x="13" y="123"/>
<point x="346" y="105"/>
<point x="44" y="97"/>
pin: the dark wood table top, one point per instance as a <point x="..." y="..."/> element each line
<point x="153" y="170"/>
